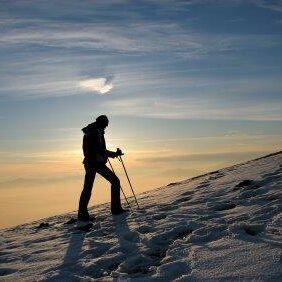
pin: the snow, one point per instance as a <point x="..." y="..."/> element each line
<point x="225" y="225"/>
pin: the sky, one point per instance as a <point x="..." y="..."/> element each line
<point x="188" y="86"/>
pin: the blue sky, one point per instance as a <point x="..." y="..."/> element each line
<point x="176" y="78"/>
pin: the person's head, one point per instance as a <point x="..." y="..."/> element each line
<point x="102" y="121"/>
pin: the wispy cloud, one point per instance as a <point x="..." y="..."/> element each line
<point x="97" y="85"/>
<point x="24" y="182"/>
<point x="41" y="157"/>
<point x="194" y="108"/>
<point x="204" y="157"/>
<point x="229" y="136"/>
<point x="81" y="29"/>
<point x="134" y="38"/>
<point x="138" y="36"/>
<point x="275" y="5"/>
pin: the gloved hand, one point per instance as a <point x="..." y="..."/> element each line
<point x="119" y="152"/>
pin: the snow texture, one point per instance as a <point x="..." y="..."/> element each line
<point x="225" y="225"/>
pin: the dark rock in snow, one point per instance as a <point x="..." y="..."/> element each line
<point x="43" y="225"/>
<point x="172" y="184"/>
<point x="244" y="183"/>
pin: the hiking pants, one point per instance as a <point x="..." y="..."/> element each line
<point x="104" y="171"/>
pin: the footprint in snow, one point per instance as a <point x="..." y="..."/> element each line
<point x="272" y="178"/>
<point x="187" y="193"/>
<point x="159" y="216"/>
<point x="168" y="207"/>
<point x="160" y="243"/>
<point x="181" y="200"/>
<point x="275" y="174"/>
<point x="157" y="254"/>
<point x="252" y="231"/>
<point x="224" y="206"/>
<point x="144" y="229"/>
<point x="12" y="247"/>
<point x="272" y="196"/>
<point x="6" y="271"/>
<point x="257" y="191"/>
<point x="270" y="174"/>
<point x="143" y="210"/>
<point x="203" y="184"/>
<point x="242" y="229"/>
<point x="245" y="183"/>
<point x="39" y="251"/>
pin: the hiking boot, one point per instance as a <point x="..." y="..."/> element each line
<point x="85" y="217"/>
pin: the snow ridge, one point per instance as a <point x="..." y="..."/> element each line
<point x="224" y="225"/>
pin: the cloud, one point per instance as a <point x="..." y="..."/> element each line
<point x="140" y="36"/>
<point x="275" y="5"/>
<point x="207" y="157"/>
<point x="98" y="85"/>
<point x="231" y="135"/>
<point x="85" y="40"/>
<point x="190" y="108"/>
<point x="23" y="182"/>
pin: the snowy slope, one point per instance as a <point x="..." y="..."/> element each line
<point x="214" y="227"/>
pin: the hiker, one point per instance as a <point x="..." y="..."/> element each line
<point x="95" y="158"/>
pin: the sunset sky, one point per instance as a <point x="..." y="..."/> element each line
<point x="188" y="86"/>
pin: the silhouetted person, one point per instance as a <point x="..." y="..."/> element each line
<point x="95" y="159"/>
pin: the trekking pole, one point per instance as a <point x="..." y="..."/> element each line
<point x="120" y="186"/>
<point x="120" y="158"/>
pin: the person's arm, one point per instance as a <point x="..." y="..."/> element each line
<point x="111" y="154"/>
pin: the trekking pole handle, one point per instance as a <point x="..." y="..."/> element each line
<point x="119" y="152"/>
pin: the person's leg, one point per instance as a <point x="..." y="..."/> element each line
<point x="90" y="173"/>
<point x="104" y="171"/>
